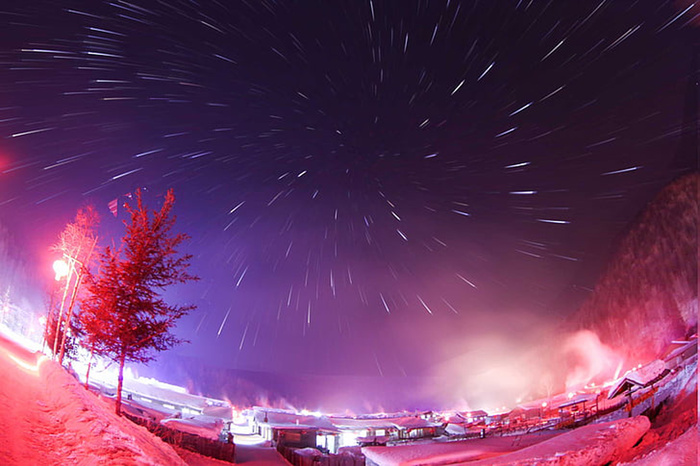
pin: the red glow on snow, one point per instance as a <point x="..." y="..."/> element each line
<point x="27" y="366"/>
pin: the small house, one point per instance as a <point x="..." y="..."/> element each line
<point x="642" y="377"/>
<point x="578" y="405"/>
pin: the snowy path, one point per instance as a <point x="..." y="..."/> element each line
<point x="49" y="418"/>
<point x="25" y="420"/>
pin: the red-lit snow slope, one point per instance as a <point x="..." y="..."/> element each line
<point x="48" y="418"/>
<point x="648" y="295"/>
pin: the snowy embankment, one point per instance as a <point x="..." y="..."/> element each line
<point x="682" y="451"/>
<point x="49" y="418"/>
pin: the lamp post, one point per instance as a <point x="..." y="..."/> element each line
<point x="78" y="279"/>
<point x="61" y="269"/>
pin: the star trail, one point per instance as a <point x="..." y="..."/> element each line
<point x="367" y="184"/>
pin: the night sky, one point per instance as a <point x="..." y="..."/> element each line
<point x="372" y="188"/>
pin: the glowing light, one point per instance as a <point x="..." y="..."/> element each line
<point x="571" y="395"/>
<point x="28" y="366"/>
<point x="544" y="404"/>
<point x="60" y="268"/>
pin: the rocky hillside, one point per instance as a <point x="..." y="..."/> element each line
<point x="648" y="295"/>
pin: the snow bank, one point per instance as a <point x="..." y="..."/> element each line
<point x="680" y="452"/>
<point x="592" y="444"/>
<point x="91" y="433"/>
<point x="451" y="452"/>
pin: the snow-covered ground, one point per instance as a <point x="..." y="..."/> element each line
<point x="590" y="445"/>
<point x="671" y="439"/>
<point x="48" y="418"/>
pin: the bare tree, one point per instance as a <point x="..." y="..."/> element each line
<point x="76" y="243"/>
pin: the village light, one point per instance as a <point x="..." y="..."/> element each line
<point x="60" y="267"/>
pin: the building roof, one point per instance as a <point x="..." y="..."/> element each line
<point x="679" y="348"/>
<point x="641" y="377"/>
<point x="287" y="419"/>
<point x="404" y="422"/>
<point x="585" y="398"/>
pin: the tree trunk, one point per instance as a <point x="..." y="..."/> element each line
<point x="87" y="374"/>
<point x="69" y="278"/>
<point x="120" y="381"/>
<point x="69" y="317"/>
<point x="79" y="277"/>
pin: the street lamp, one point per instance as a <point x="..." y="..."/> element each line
<point x="61" y="268"/>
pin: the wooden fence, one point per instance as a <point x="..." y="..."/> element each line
<point x="343" y="459"/>
<point x="203" y="446"/>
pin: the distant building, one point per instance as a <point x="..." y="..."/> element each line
<point x="524" y="414"/>
<point x="332" y="433"/>
<point x="578" y="406"/>
<point x="475" y="417"/>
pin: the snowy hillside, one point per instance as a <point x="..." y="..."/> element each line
<point x="648" y="295"/>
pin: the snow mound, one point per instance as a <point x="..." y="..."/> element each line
<point x="92" y="433"/>
<point x="682" y="451"/>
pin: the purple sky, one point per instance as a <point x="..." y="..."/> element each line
<point x="370" y="186"/>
